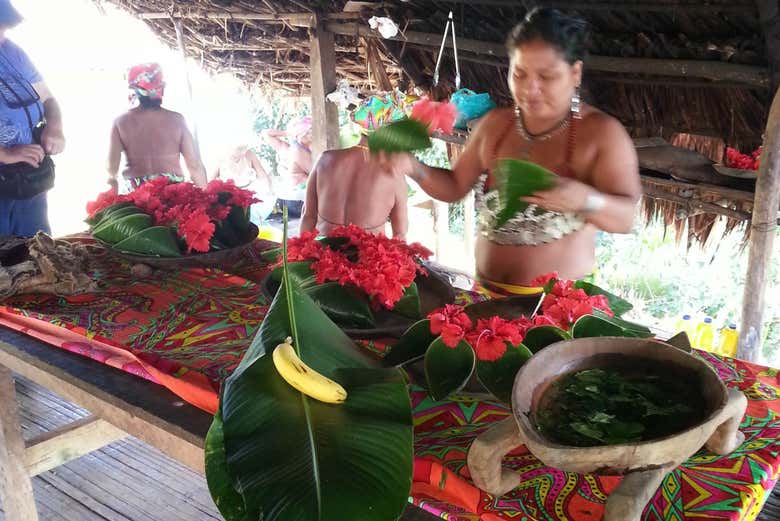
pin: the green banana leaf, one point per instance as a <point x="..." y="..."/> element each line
<point x="105" y="212"/>
<point x="227" y="499"/>
<point x="345" y="305"/>
<point x="447" y="369"/>
<point x="118" y="213"/>
<point x="591" y="326"/>
<point x="292" y="458"/>
<point x="630" y="329"/>
<point x="299" y="272"/>
<point x="498" y="377"/>
<point x="516" y="179"/>
<point x="114" y="231"/>
<point x="405" y="135"/>
<point x="409" y="304"/>
<point x="155" y="240"/>
<point x="412" y="344"/>
<point x="539" y="337"/>
<point x="618" y="305"/>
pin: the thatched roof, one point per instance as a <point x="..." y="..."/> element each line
<point x="663" y="67"/>
<point x="705" y="67"/>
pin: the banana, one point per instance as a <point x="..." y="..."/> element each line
<point x="308" y="381"/>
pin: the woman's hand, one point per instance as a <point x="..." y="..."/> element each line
<point x="30" y="154"/>
<point x="567" y="196"/>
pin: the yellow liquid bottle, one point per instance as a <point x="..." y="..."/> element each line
<point x="686" y="324"/>
<point x="729" y="338"/>
<point x="704" y="335"/>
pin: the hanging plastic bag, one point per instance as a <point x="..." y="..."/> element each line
<point x="470" y="106"/>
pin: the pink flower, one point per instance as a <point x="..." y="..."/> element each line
<point x="436" y="115"/>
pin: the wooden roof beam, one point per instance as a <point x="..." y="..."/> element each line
<point x="622" y="6"/>
<point x="711" y="70"/>
<point x="294" y="19"/>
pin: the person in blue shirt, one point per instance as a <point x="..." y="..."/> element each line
<point x="25" y="103"/>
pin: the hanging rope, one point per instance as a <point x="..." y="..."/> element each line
<point x="449" y="27"/>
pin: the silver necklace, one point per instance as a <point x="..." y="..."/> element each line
<point x="544" y="136"/>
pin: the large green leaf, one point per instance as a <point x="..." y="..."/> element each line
<point x="630" y="329"/>
<point x="113" y="231"/>
<point x="405" y="135"/>
<point x="296" y="459"/>
<point x="227" y="499"/>
<point x="516" y="179"/>
<point x="299" y="272"/>
<point x="539" y="337"/>
<point x="619" y="306"/>
<point x="345" y="305"/>
<point x="105" y="212"/>
<point x="412" y="344"/>
<point x="447" y="369"/>
<point x="591" y="326"/>
<point x="155" y="240"/>
<point x="498" y="377"/>
<point x="409" y="304"/>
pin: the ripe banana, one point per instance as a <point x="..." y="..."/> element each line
<point x="308" y="381"/>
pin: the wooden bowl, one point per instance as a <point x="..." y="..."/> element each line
<point x="738" y="173"/>
<point x="645" y="464"/>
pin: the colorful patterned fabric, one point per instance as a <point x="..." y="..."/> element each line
<point x="188" y="329"/>
<point x="376" y="111"/>
<point x="146" y="80"/>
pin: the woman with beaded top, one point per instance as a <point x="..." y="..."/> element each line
<point x="598" y="184"/>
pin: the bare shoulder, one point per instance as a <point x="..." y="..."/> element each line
<point x="602" y="127"/>
<point x="493" y="120"/>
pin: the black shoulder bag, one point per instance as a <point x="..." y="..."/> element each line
<point x="22" y="180"/>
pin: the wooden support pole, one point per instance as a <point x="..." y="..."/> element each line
<point x="762" y="236"/>
<point x="16" y="491"/>
<point x="711" y="70"/>
<point x="183" y="50"/>
<point x="325" y="117"/>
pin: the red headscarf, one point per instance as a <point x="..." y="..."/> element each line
<point x="146" y="79"/>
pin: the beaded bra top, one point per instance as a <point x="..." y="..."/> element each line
<point x="533" y="226"/>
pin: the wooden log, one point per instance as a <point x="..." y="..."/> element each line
<point x="712" y="70"/>
<point x="325" y="118"/>
<point x="54" y="448"/>
<point x="762" y="236"/>
<point x="293" y="19"/>
<point x="691" y="203"/>
<point x="16" y="491"/>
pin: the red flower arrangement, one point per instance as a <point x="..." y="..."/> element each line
<point x="192" y="211"/>
<point x="736" y="159"/>
<point x="436" y="115"/>
<point x="562" y="305"/>
<point x="382" y="267"/>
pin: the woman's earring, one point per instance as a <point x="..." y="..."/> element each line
<point x="575" y="102"/>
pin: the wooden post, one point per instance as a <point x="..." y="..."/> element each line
<point x="325" y="117"/>
<point x="16" y="491"/>
<point x="183" y="51"/>
<point x="762" y="236"/>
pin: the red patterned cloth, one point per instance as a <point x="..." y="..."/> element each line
<point x="188" y="329"/>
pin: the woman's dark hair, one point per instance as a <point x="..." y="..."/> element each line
<point x="148" y="103"/>
<point x="568" y="34"/>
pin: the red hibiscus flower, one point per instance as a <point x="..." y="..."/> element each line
<point x="490" y="336"/>
<point x="564" y="304"/>
<point x="542" y="280"/>
<point x="104" y="200"/>
<point x="451" y="322"/>
<point x="197" y="231"/>
<point x="436" y="115"/>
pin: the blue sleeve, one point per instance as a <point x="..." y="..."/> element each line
<point x="21" y="62"/>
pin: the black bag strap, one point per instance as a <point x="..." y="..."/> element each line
<point x="26" y="85"/>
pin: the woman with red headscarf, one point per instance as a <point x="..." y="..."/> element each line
<point x="151" y="137"/>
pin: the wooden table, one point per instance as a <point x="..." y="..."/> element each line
<point x="121" y="404"/>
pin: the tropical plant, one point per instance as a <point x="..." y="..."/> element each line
<point x="274" y="453"/>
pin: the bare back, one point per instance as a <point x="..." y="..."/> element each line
<point x="349" y="189"/>
<point x="152" y="140"/>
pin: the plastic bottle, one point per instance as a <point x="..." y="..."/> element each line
<point x="686" y="324"/>
<point x="728" y="341"/>
<point x="704" y="335"/>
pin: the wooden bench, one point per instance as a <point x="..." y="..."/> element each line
<point x="121" y="404"/>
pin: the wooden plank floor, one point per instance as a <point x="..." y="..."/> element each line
<point x="127" y="480"/>
<point x="132" y="481"/>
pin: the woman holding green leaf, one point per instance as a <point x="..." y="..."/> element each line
<point x="547" y="173"/>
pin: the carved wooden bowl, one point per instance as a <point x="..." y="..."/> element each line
<point x="644" y="463"/>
